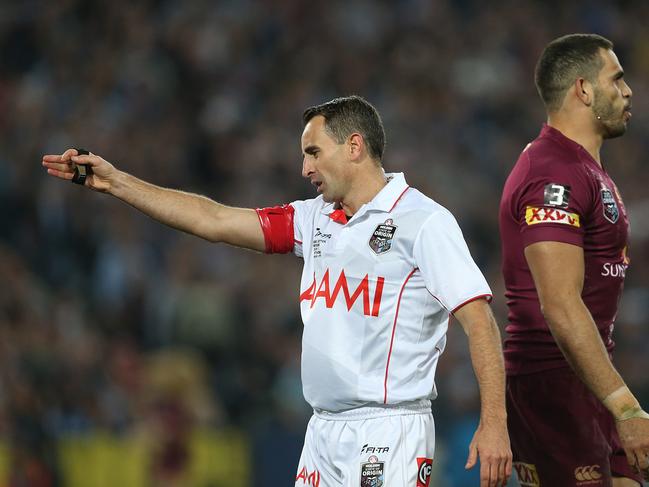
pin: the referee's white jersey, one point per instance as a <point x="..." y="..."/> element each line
<point x="375" y="296"/>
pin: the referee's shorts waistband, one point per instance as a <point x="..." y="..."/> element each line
<point x="421" y="406"/>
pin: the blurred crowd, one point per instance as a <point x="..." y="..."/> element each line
<point x="116" y="331"/>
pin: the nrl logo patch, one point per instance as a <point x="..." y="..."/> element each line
<point x="611" y="211"/>
<point x="381" y="239"/>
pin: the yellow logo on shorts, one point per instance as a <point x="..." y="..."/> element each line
<point x="588" y="475"/>
<point x="527" y="474"/>
<point x="534" y="215"/>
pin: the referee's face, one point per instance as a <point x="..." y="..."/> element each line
<point x="324" y="161"/>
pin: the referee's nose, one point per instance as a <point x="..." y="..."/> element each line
<point x="307" y="167"/>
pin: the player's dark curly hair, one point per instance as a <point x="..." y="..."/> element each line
<point x="351" y="114"/>
<point x="563" y="61"/>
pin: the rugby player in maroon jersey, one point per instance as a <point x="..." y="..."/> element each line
<point x="564" y="232"/>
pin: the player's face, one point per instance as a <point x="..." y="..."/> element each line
<point x="612" y="103"/>
<point x="324" y="162"/>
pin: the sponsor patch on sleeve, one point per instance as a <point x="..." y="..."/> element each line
<point x="534" y="215"/>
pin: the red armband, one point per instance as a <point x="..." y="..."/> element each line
<point x="277" y="225"/>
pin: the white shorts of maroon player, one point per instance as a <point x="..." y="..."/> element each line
<point x="372" y="446"/>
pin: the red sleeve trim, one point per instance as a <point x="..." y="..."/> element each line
<point x="277" y="224"/>
<point x="488" y="297"/>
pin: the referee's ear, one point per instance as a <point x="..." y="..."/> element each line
<point x="356" y="145"/>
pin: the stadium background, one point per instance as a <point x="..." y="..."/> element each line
<point x="133" y="355"/>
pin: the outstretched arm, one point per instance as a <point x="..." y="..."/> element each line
<point x="491" y="440"/>
<point x="191" y="213"/>
<point x="558" y="272"/>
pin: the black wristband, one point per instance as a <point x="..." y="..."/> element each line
<point x="81" y="171"/>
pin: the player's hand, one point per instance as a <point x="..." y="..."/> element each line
<point x="634" y="435"/>
<point x="62" y="166"/>
<point x="491" y="444"/>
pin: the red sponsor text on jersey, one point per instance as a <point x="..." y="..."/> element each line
<point x="309" y="478"/>
<point x="330" y="297"/>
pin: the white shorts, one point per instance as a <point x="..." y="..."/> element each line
<point x="388" y="446"/>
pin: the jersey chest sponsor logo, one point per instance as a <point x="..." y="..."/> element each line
<point x="534" y="215"/>
<point x="341" y="290"/>
<point x="308" y="478"/>
<point x="424" y="471"/>
<point x="527" y="474"/>
<point x="614" y="270"/>
<point x="617" y="269"/>
<point x="611" y="211"/>
<point x="372" y="472"/>
<point x="381" y="240"/>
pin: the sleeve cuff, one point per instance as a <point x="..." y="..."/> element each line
<point x="488" y="297"/>
<point x="552" y="234"/>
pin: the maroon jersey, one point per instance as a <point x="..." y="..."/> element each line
<point x="558" y="192"/>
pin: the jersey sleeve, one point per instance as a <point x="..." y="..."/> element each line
<point x="300" y="223"/>
<point x="450" y="274"/>
<point x="282" y="227"/>
<point x="552" y="206"/>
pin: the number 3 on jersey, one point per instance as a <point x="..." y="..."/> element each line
<point x="556" y="195"/>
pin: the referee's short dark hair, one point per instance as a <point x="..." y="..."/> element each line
<point x="347" y="115"/>
<point x="563" y="61"/>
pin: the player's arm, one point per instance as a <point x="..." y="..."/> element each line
<point x="191" y="213"/>
<point x="491" y="441"/>
<point x="558" y="272"/>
